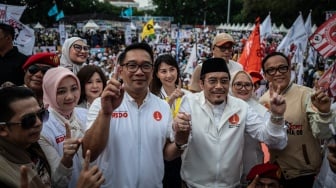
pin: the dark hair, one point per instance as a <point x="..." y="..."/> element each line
<point x="272" y="55"/>
<point x="84" y="75"/>
<point x="7" y="30"/>
<point x="9" y="95"/>
<point x="156" y="83"/>
<point x="135" y="46"/>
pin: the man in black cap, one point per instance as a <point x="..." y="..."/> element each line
<point x="213" y="153"/>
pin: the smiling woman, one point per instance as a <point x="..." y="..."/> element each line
<point x="61" y="90"/>
<point x="75" y="52"/>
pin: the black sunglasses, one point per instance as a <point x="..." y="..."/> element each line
<point x="29" y="120"/>
<point x="33" y="69"/>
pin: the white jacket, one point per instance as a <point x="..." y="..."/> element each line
<point x="213" y="157"/>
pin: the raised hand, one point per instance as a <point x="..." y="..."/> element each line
<point x="321" y="101"/>
<point x="112" y="95"/>
<point x="90" y="177"/>
<point x="182" y="127"/>
<point x="176" y="94"/>
<point x="24" y="177"/>
<point x="277" y="101"/>
<point x="70" y="147"/>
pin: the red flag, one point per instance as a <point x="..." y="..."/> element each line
<point x="328" y="81"/>
<point x="324" y="38"/>
<point x="252" y="52"/>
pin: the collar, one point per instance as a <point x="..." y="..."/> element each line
<point x="13" y="153"/>
<point x="131" y="99"/>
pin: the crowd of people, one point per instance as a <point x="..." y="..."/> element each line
<point x="128" y="117"/>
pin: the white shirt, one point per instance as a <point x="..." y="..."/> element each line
<point x="133" y="156"/>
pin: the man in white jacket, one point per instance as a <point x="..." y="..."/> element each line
<point x="213" y="154"/>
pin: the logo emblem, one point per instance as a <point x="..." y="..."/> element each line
<point x="157" y="115"/>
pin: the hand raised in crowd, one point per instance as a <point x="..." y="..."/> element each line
<point x="332" y="157"/>
<point x="176" y="94"/>
<point x="277" y="101"/>
<point x="321" y="101"/>
<point x="112" y="95"/>
<point x="70" y="147"/>
<point x="182" y="127"/>
<point x="90" y="177"/>
<point x="24" y="177"/>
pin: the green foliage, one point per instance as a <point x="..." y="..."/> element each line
<point x="186" y="11"/>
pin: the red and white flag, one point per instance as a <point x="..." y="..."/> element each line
<point x="328" y="81"/>
<point x="324" y="38"/>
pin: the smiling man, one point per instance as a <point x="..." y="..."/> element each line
<point x="35" y="68"/>
<point x="214" y="153"/>
<point x="20" y="127"/>
<point x="307" y="118"/>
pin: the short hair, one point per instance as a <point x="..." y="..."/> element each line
<point x="156" y="83"/>
<point x="7" y="29"/>
<point x="135" y="46"/>
<point x="272" y="55"/>
<point x="9" y="95"/>
<point x="84" y="75"/>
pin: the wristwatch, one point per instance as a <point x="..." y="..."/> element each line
<point x="276" y="118"/>
<point x="181" y="147"/>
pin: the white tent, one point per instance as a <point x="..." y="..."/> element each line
<point x="157" y="26"/>
<point x="38" y="26"/>
<point x="90" y="25"/>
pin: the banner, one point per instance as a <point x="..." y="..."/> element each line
<point x="324" y="38"/>
<point x="252" y="53"/>
<point x="148" y="29"/>
<point x="24" y="37"/>
<point x="7" y="11"/>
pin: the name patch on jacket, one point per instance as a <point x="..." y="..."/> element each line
<point x="121" y="114"/>
<point x="233" y="121"/>
<point x="60" y="138"/>
<point x="295" y="130"/>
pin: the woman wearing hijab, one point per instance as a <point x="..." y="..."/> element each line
<point x="61" y="92"/>
<point x="75" y="52"/>
<point x="242" y="87"/>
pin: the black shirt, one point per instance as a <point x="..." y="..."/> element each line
<point x="11" y="67"/>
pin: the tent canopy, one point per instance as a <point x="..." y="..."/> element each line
<point x="38" y="26"/>
<point x="90" y="25"/>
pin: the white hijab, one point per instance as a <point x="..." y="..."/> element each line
<point x="65" y="58"/>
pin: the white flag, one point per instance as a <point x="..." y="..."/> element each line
<point x="10" y="11"/>
<point x="192" y="61"/>
<point x="295" y="36"/>
<point x="266" y="27"/>
<point x="308" y="24"/>
<point x="24" y="37"/>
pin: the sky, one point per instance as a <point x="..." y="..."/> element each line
<point x="142" y="2"/>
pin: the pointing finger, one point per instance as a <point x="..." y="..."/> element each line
<point x="116" y="72"/>
<point x="271" y="91"/>
<point x="24" y="177"/>
<point x="67" y="130"/>
<point x="179" y="86"/>
<point x="87" y="160"/>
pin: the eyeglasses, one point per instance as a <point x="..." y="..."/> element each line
<point x="29" y="120"/>
<point x="241" y="85"/>
<point x="133" y="67"/>
<point x="214" y="81"/>
<point x="282" y="69"/>
<point x="33" y="69"/>
<point x="79" y="48"/>
<point x="223" y="48"/>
